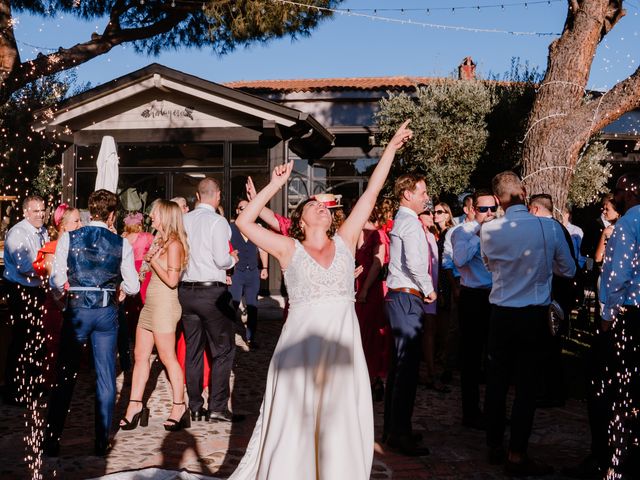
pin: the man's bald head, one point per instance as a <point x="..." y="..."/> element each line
<point x="209" y="191"/>
<point x="508" y="189"/>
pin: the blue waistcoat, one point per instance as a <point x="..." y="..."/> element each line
<point x="93" y="267"/>
<point x="247" y="251"/>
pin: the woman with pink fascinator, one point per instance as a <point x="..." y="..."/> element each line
<point x="130" y="309"/>
<point x="64" y="219"/>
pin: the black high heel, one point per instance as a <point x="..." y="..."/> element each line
<point x="184" y="422"/>
<point x="141" y="417"/>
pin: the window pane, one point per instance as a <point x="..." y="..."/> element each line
<point x="344" y="167"/>
<point x="148" y="187"/>
<point x="298" y="188"/>
<point x="168" y="155"/>
<point x="248" y="154"/>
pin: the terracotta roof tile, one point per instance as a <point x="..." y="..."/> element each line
<point x="333" y="84"/>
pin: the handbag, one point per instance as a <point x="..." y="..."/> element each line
<point x="555" y="315"/>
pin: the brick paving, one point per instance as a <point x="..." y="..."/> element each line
<point x="560" y="435"/>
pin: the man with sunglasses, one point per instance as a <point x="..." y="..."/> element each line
<point x="474" y="307"/>
<point x="522" y="252"/>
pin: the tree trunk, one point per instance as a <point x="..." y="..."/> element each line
<point x="563" y="119"/>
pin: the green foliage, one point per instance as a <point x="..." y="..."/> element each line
<point x="467" y="132"/>
<point x="590" y="175"/>
<point x="450" y="131"/>
<point x="48" y="182"/>
<point x="507" y="121"/>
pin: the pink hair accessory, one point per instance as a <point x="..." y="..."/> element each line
<point x="59" y="213"/>
<point x="133" y="218"/>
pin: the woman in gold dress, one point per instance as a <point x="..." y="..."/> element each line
<point x="159" y="317"/>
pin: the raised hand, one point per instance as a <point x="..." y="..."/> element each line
<point x="402" y="136"/>
<point x="281" y="174"/>
<point x="250" y="188"/>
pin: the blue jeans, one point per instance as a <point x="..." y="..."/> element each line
<point x="100" y="326"/>
<point x="247" y="283"/>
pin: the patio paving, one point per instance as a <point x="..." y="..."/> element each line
<point x="560" y="436"/>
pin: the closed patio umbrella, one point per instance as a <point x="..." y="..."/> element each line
<point x="107" y="163"/>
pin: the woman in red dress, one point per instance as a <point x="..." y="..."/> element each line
<point x="372" y="254"/>
<point x="65" y="219"/>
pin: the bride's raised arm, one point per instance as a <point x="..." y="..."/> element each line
<point x="279" y="246"/>
<point x="351" y="228"/>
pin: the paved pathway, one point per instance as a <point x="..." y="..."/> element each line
<point x="560" y="435"/>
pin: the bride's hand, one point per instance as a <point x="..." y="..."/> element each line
<point x="281" y="174"/>
<point x="402" y="136"/>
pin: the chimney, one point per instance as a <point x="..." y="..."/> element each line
<point x="467" y="69"/>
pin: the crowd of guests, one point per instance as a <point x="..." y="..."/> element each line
<point x="432" y="292"/>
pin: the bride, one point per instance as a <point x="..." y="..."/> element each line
<point x="316" y="419"/>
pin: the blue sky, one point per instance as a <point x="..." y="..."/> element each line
<point x="350" y="46"/>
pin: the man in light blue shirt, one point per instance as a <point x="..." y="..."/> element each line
<point x="409" y="286"/>
<point x="26" y="298"/>
<point x="522" y="252"/>
<point x="474" y="310"/>
<point x="620" y="296"/>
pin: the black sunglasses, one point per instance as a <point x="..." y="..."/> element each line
<point x="439" y="212"/>
<point x="494" y="209"/>
<point x="426" y="212"/>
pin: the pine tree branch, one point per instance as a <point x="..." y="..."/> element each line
<point x="66" y="58"/>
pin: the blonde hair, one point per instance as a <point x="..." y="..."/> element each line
<point x="170" y="215"/>
<point x="55" y="230"/>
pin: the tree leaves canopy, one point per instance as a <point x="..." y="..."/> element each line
<point x="450" y="131"/>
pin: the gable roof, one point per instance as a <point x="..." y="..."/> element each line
<point x="334" y="84"/>
<point x="290" y="123"/>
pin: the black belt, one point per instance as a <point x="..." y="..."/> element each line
<point x="203" y="284"/>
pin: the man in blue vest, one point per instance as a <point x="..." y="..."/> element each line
<point x="93" y="261"/>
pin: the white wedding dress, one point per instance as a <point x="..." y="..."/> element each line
<point x="316" y="419"/>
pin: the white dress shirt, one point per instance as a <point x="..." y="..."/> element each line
<point x="130" y="282"/>
<point x="447" y="251"/>
<point x="513" y="249"/>
<point x="409" y="254"/>
<point x="467" y="256"/>
<point x="208" y="235"/>
<point x="577" y="235"/>
<point x="21" y="247"/>
<point x="620" y="279"/>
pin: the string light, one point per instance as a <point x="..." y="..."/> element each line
<point x="374" y="17"/>
<point x="456" y="7"/>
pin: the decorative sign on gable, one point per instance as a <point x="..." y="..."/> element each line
<point x="156" y="110"/>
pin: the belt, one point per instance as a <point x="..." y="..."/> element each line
<point x="203" y="284"/>
<point x="411" y="291"/>
<point x="105" y="292"/>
